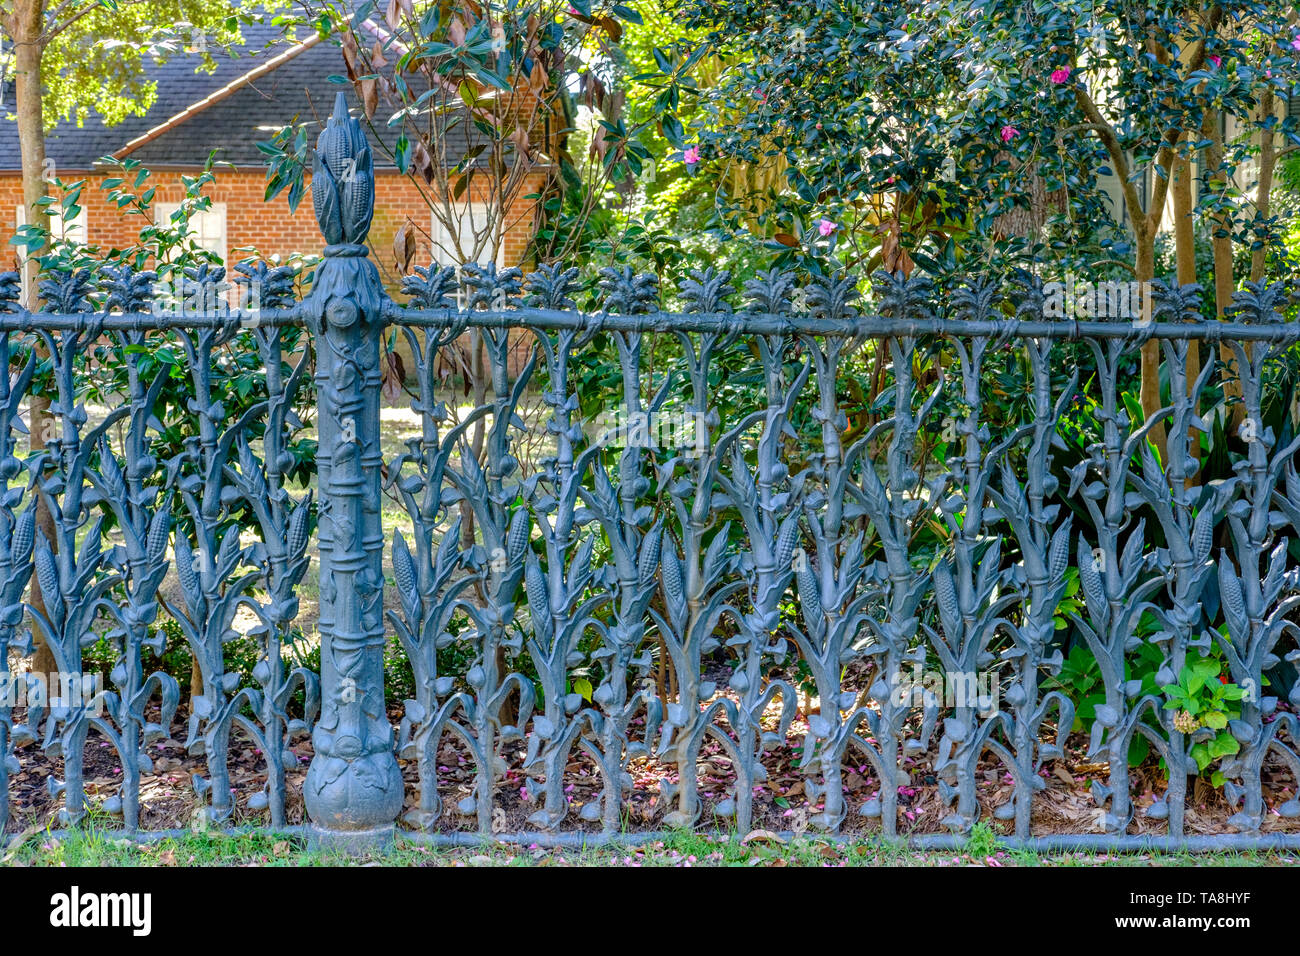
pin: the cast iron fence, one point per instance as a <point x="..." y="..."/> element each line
<point x="594" y="604"/>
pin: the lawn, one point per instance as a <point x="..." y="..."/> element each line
<point x="686" y="849"/>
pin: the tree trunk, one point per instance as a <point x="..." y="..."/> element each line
<point x="1149" y="395"/>
<point x="1185" y="265"/>
<point x="25" y="28"/>
<point x="1264" y="190"/>
<point x="1221" y="243"/>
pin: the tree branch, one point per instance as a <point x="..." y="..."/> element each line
<point x="1110" y="139"/>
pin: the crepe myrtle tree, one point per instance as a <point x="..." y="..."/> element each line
<point x="480" y="95"/>
<point x="471" y="99"/>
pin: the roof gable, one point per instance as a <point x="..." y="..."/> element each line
<point x="269" y="82"/>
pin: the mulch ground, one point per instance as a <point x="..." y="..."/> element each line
<point x="1065" y="807"/>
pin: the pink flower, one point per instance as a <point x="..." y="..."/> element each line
<point x="1060" y="75"/>
<point x="1295" y="44"/>
<point x="691" y="156"/>
<point x="1216" y="60"/>
<point x="825" y="227"/>
<point x="1009" y="133"/>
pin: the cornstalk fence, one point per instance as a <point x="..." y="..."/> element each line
<point x="780" y="539"/>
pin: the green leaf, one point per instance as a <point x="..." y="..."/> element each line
<point x="1201" y="754"/>
<point x="1214" y="719"/>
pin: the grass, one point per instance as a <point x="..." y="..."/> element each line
<point x="106" y="848"/>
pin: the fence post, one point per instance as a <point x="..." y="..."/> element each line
<point x="354" y="789"/>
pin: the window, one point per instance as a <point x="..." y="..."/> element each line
<point x="207" y="228"/>
<point x="474" y="218"/>
<point x="74" y="231"/>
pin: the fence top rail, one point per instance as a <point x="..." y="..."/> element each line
<point x="738" y="323"/>
<point x="24" y="321"/>
<point x="864" y="327"/>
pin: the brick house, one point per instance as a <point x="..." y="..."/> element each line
<point x="271" y="83"/>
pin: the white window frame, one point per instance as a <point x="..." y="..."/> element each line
<point x="444" y="249"/>
<point x="78" y="232"/>
<point x="58" y="228"/>
<point x="198" y="225"/>
<point x="471" y="214"/>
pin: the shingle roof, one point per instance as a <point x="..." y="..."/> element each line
<point x="298" y="89"/>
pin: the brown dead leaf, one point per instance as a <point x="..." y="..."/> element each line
<point x="404" y="248"/>
<point x="611" y="27"/>
<point x="537" y="76"/>
<point x="599" y="147"/>
<point x="519" y="138"/>
<point x="167" y="858"/>
<point x="422" y="162"/>
<point x="1063" y="774"/>
<point x="280" y="849"/>
<point x="394" y="375"/>
<point x="368" y="94"/>
<point x="1092" y="768"/>
<point x="761" y="836"/>
<point x="393" y="14"/>
<point x="896" y="258"/>
<point x="349" y="44"/>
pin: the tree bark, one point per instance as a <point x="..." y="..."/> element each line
<point x="1185" y="268"/>
<point x="1149" y="391"/>
<point x="26" y="26"/>
<point x="1264" y="189"/>
<point x="1221" y="244"/>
